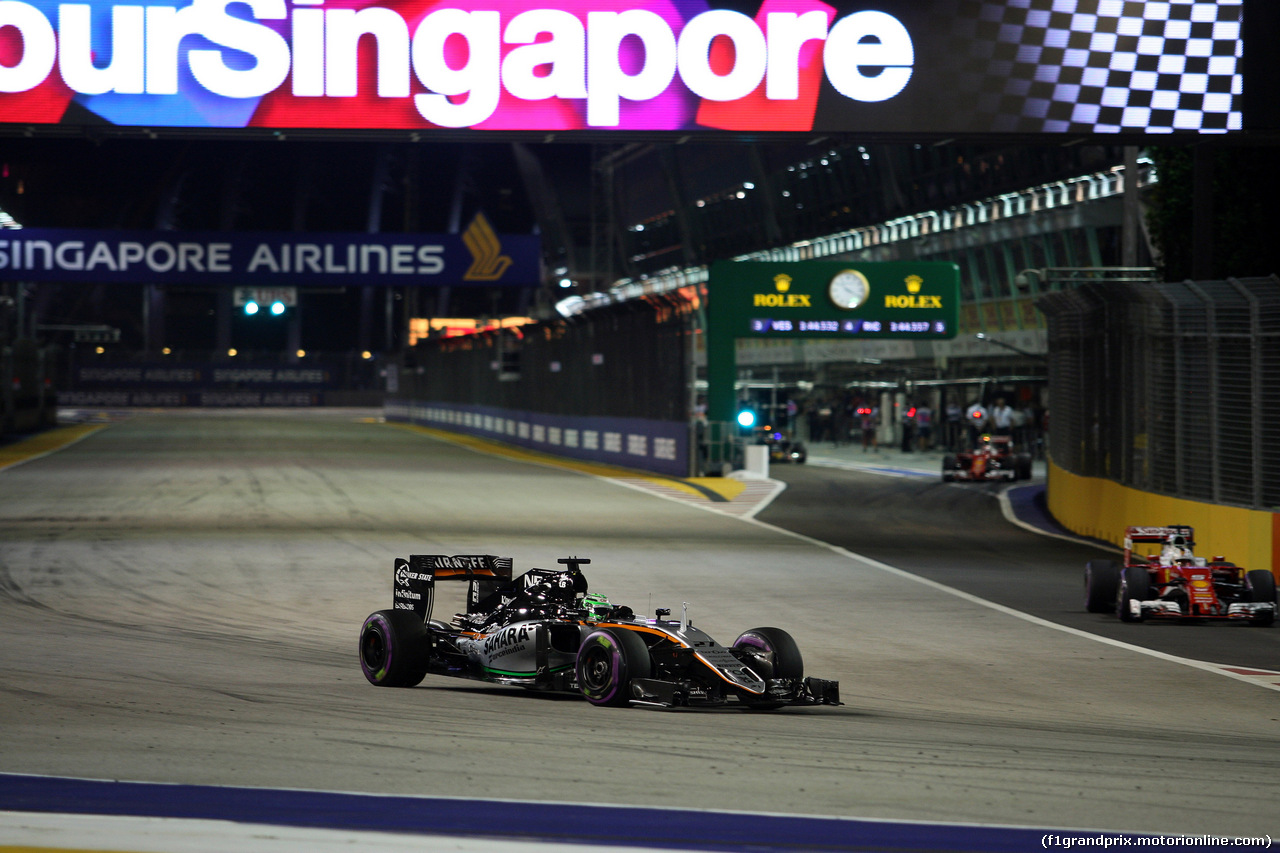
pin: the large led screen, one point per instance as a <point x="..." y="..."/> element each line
<point x="919" y="66"/>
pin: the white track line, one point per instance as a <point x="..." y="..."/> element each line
<point x="1261" y="678"/>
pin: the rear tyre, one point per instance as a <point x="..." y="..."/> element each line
<point x="1262" y="587"/>
<point x="1135" y="585"/>
<point x="607" y="661"/>
<point x="1101" y="583"/>
<point x="393" y="648"/>
<point x="1022" y="466"/>
<point x="948" y="469"/>
<point x="774" y="654"/>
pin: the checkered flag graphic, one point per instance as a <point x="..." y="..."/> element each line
<point x="1101" y="66"/>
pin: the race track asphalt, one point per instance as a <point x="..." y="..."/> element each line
<point x="957" y="534"/>
<point x="180" y="595"/>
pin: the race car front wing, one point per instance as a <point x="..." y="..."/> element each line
<point x="1161" y="607"/>
<point x="807" y="691"/>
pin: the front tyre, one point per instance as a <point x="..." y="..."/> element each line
<point x="607" y="661"/>
<point x="773" y="654"/>
<point x="392" y="648"/>
<point x="1135" y="585"/>
<point x="1262" y="587"/>
<point x="1101" y="583"/>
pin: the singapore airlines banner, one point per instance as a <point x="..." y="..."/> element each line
<point x="476" y="257"/>
<point x="938" y="66"/>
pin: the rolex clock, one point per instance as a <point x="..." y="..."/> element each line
<point x="848" y="289"/>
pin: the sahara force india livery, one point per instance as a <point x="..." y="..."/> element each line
<point x="543" y="630"/>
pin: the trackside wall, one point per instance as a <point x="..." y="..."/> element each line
<point x="1166" y="410"/>
<point x="648" y="445"/>
<point x="1102" y="509"/>
<point x="609" y="385"/>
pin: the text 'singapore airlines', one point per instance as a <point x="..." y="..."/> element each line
<point x="458" y="67"/>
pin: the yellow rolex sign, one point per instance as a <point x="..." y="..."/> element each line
<point x="822" y="299"/>
<point x="899" y="299"/>
<point x="913" y="298"/>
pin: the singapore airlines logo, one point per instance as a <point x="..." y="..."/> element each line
<point x="487" y="261"/>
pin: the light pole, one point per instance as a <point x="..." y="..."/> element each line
<point x="982" y="336"/>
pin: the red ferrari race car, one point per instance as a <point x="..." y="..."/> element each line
<point x="1173" y="583"/>
<point x="993" y="459"/>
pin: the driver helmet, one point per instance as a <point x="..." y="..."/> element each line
<point x="596" y="605"/>
<point x="1176" y="548"/>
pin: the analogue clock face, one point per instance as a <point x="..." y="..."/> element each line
<point x="849" y="289"/>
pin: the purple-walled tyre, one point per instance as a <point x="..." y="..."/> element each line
<point x="776" y="650"/>
<point x="392" y="652"/>
<point x="776" y="655"/>
<point x="607" y="661"/>
<point x="1135" y="585"/>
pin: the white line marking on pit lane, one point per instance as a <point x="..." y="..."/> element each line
<point x="867" y="468"/>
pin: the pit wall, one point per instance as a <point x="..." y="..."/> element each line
<point x="648" y="445"/>
<point x="1102" y="509"/>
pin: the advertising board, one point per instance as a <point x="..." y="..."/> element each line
<point x="839" y="300"/>
<point x="478" y="256"/>
<point x="894" y="66"/>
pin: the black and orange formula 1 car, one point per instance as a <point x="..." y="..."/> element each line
<point x="1173" y="583"/>
<point x="782" y="447"/>
<point x="543" y="630"/>
<point x="994" y="458"/>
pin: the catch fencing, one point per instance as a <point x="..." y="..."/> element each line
<point x="1169" y="388"/>
<point x="27" y="380"/>
<point x="610" y="385"/>
<point x="629" y="360"/>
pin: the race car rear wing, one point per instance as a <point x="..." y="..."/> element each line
<point x="1158" y="534"/>
<point x="414" y="579"/>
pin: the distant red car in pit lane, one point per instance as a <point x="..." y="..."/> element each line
<point x="1176" y="584"/>
<point x="993" y="459"/>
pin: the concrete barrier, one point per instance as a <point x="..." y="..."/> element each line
<point x="1102" y="509"/>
